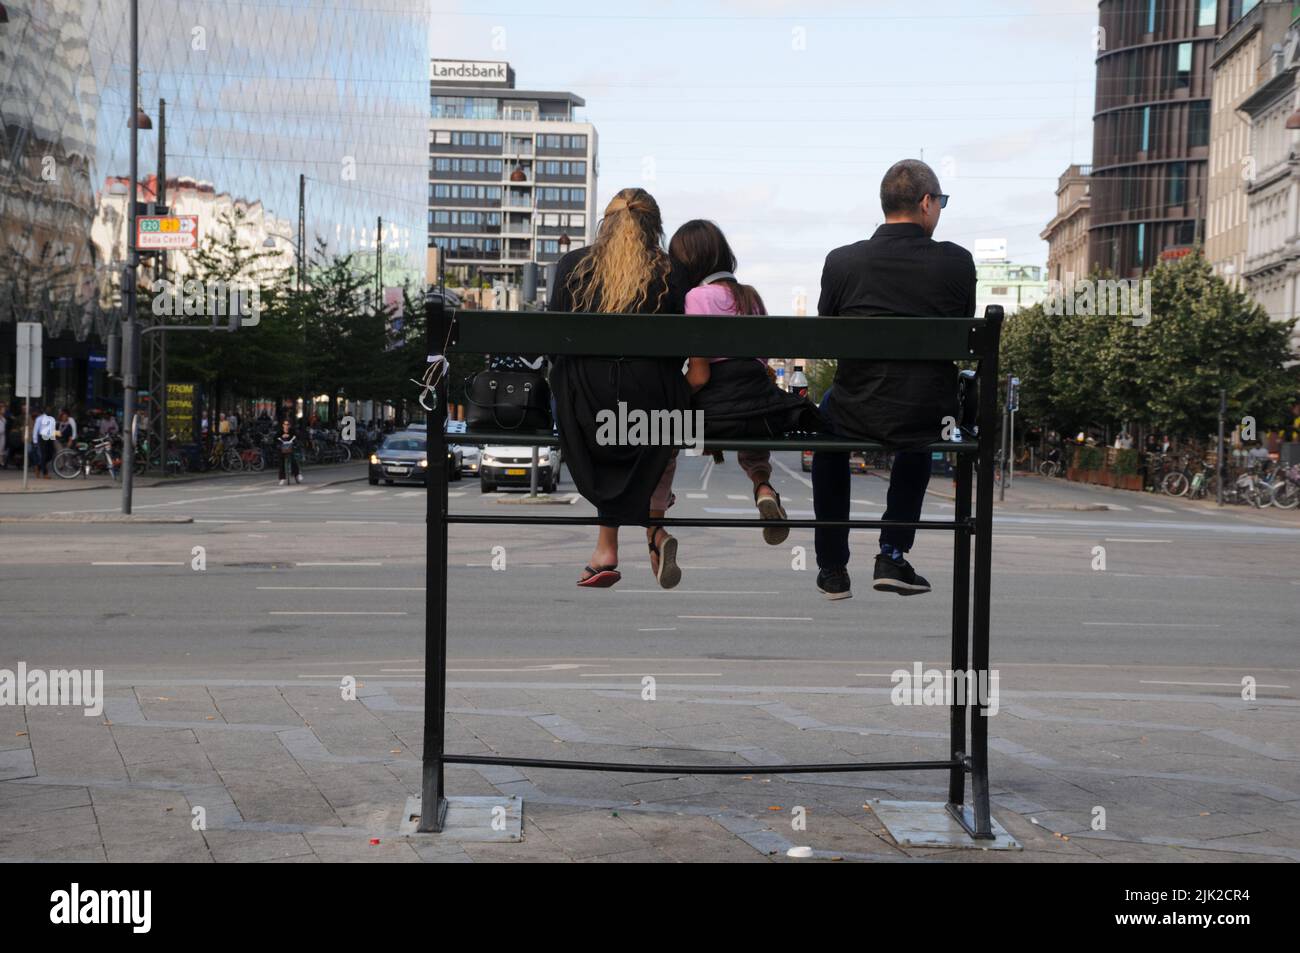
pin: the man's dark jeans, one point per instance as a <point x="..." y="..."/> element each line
<point x="831" y="497"/>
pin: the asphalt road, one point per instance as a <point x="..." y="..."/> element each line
<point x="322" y="580"/>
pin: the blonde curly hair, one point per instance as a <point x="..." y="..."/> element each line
<point x="627" y="258"/>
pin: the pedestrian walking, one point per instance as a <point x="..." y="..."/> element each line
<point x="287" y="444"/>
<point x="43" y="433"/>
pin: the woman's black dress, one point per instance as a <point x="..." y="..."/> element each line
<point x="617" y="480"/>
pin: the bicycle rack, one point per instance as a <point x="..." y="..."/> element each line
<point x="879" y="338"/>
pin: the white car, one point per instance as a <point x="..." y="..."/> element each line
<point x="513" y="465"/>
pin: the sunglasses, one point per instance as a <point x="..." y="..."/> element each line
<point x="943" y="199"/>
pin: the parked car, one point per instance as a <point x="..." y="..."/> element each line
<point x="404" y="456"/>
<point x="513" y="466"/>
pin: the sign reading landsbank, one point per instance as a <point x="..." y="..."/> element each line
<point x="167" y="232"/>
<point x="470" y="71"/>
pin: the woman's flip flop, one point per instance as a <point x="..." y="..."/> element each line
<point x="667" y="573"/>
<point x="601" y="578"/>
<point x="770" y="508"/>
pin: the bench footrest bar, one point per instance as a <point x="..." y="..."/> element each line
<point x="700" y="768"/>
<point x="479" y="520"/>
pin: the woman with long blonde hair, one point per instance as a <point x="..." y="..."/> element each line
<point x="625" y="271"/>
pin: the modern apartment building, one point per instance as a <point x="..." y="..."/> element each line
<point x="1067" y="233"/>
<point x="512" y="173"/>
<point x="1243" y="59"/>
<point x="1151" y="127"/>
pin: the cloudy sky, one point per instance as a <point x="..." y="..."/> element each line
<point x="777" y="118"/>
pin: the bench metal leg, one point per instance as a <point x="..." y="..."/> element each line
<point x="960" y="628"/>
<point x="433" y="803"/>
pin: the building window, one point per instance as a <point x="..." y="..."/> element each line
<point x="1198" y="125"/>
<point x="1151" y="15"/>
<point x="1146" y="129"/>
<point x="1176" y="193"/>
<point x="1208" y="14"/>
<point x="1139" y="248"/>
<point x="1183" y="74"/>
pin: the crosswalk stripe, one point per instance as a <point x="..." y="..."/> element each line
<point x="323" y="492"/>
<point x="366" y="492"/>
<point x="697" y="496"/>
<point x="1156" y="509"/>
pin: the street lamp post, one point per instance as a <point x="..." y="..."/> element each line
<point x="129" y="350"/>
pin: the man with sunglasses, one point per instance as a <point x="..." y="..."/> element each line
<point x="900" y="270"/>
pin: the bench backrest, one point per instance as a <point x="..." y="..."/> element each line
<point x="660" y="335"/>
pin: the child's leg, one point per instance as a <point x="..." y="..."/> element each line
<point x="757" y="465"/>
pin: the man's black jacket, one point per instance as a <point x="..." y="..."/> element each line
<point x="901" y="272"/>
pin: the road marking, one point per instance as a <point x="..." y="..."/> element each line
<point x="292" y="612"/>
<point x="708" y="472"/>
<point x="1156" y="509"/>
<point x="1011" y="536"/>
<point x="1116" y="506"/>
<point x="364" y="522"/>
<point x="697" y="496"/>
<point x="794" y="473"/>
<point x="346" y="589"/>
<point x="655" y="674"/>
<point x="1162" y="625"/>
<point x="220" y="521"/>
<point x="323" y="492"/>
<point x="456" y="493"/>
<point x="341" y="564"/>
<point x="1118" y="539"/>
<point x="366" y="492"/>
<point x="1211" y="684"/>
<point x="704" y="592"/>
<point x="406" y="494"/>
<point x="136" y="564"/>
<point x="737" y="496"/>
<point x="672" y="628"/>
<point x="750" y="618"/>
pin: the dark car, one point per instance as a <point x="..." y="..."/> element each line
<point x="404" y="456"/>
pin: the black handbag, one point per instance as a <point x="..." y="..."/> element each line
<point x="508" y="400"/>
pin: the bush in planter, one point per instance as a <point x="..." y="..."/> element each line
<point x="1089" y="458"/>
<point x="1126" y="462"/>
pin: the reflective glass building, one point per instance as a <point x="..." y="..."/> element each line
<point x="257" y="95"/>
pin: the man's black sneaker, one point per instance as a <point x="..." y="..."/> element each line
<point x="834" y="583"/>
<point x="898" y="577"/>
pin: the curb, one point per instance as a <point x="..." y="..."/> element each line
<point x="94" y="518"/>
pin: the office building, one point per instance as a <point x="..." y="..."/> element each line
<point x="257" y="94"/>
<point x="1151" y="128"/>
<point x="512" y="173"/>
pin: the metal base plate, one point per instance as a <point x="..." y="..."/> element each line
<point x="928" y="824"/>
<point x="480" y="819"/>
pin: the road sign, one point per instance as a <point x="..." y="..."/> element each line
<point x="29" y="359"/>
<point x="167" y="232"/>
<point x="1013" y="394"/>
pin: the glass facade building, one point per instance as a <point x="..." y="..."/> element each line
<point x="257" y="95"/>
